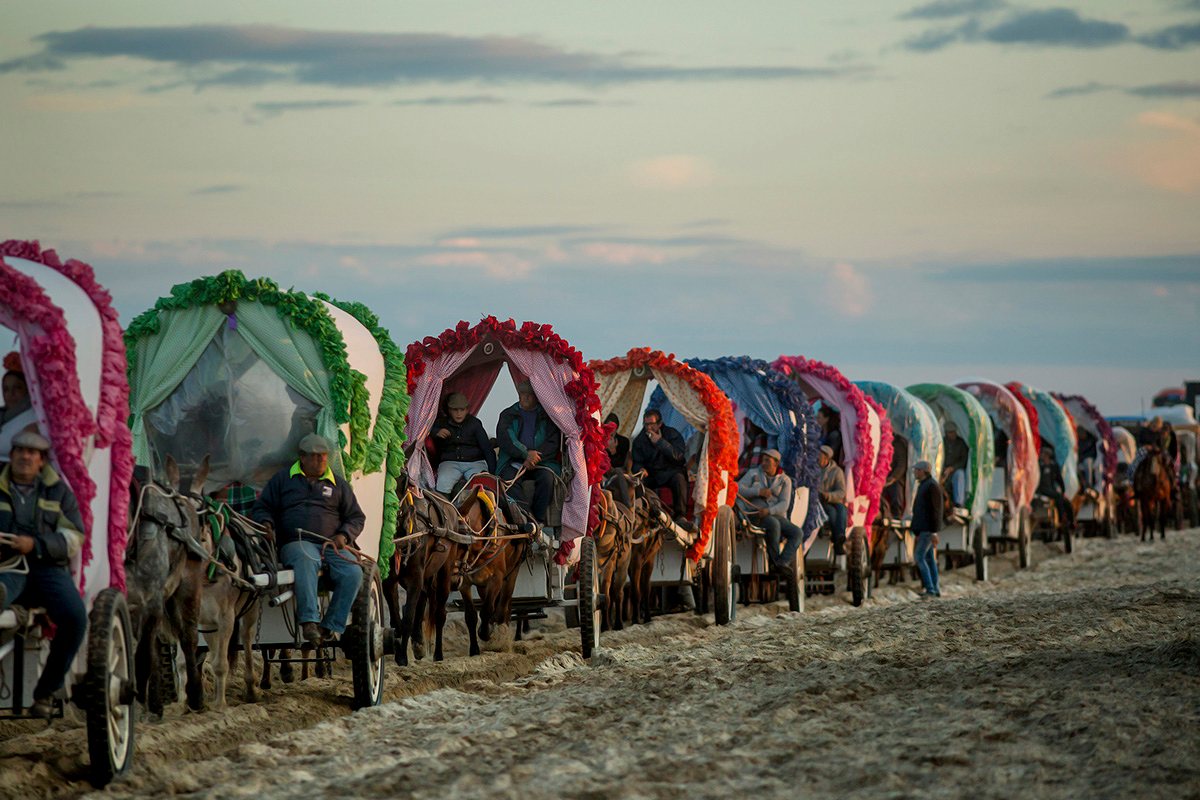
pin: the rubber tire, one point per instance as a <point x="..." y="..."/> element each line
<point x="587" y="588"/>
<point x="570" y="613"/>
<point x="981" y="559"/>
<point x="858" y="567"/>
<point x="721" y="566"/>
<point x="366" y="659"/>
<point x="109" y="638"/>
<point x="1179" y="514"/>
<point x="1068" y="540"/>
<point x="1024" y="543"/>
<point x="795" y="583"/>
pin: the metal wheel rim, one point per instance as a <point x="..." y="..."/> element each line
<point x="119" y="716"/>
<point x="595" y="581"/>
<point x="375" y="648"/>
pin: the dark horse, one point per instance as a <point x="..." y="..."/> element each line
<point x="490" y="563"/>
<point x="1152" y="490"/>
<point x="614" y="536"/>
<point x="647" y="542"/>
<point x="423" y="565"/>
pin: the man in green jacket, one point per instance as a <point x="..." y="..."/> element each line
<point x="529" y="440"/>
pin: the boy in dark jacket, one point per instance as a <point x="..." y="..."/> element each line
<point x="460" y="444"/>
<point x="926" y="522"/>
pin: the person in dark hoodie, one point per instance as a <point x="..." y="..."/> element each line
<point x="926" y="522"/>
<point x="529" y="440"/>
<point x="460" y="444"/>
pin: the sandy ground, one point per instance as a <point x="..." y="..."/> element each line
<point x="1078" y="678"/>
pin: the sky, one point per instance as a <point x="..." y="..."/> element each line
<point x="910" y="191"/>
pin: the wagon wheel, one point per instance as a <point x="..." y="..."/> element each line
<point x="1024" y="551"/>
<point x="722" y="566"/>
<point x="1139" y="522"/>
<point x="588" y="589"/>
<point x="365" y="641"/>
<point x="1179" y="513"/>
<point x="108" y="688"/>
<point x="857" y="566"/>
<point x="795" y="582"/>
<point x="981" y="558"/>
<point x="1068" y="538"/>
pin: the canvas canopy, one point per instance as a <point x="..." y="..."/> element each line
<point x="240" y="371"/>
<point x="1058" y="429"/>
<point x="1008" y="415"/>
<point x="1126" y="445"/>
<point x="468" y="358"/>
<point x="775" y="404"/>
<point x="913" y="421"/>
<point x="866" y="432"/>
<point x="951" y="404"/>
<point x="68" y="339"/>
<point x="1179" y="416"/>
<point x="1088" y="416"/>
<point x="694" y="397"/>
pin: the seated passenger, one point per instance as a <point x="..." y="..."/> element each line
<point x="660" y="454"/>
<point x="1050" y="484"/>
<point x="1089" y="468"/>
<point x="769" y="491"/>
<point x="1001" y="448"/>
<point x="756" y="443"/>
<point x="954" y="471"/>
<point x="529" y="441"/>
<point x="38" y="508"/>
<point x="460" y="444"/>
<point x="832" y="494"/>
<point x="17" y="413"/>
<point x="831" y="432"/>
<point x="893" y="498"/>
<point x="620" y="463"/>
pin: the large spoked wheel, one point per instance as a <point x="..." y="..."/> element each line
<point x="365" y="641"/>
<point x="588" y="590"/>
<point x="108" y="688"/>
<point x="1024" y="548"/>
<point x="981" y="557"/>
<point x="722" y="566"/>
<point x="857" y="566"/>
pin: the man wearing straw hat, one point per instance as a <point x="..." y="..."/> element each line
<point x="315" y="517"/>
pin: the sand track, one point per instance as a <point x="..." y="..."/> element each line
<point x="1080" y="677"/>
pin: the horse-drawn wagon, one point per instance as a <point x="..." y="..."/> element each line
<point x="1015" y="471"/>
<point x="866" y="443"/>
<point x="916" y="437"/>
<point x="771" y="411"/>
<point x="520" y="566"/>
<point x="1057" y="432"/>
<point x="964" y="534"/>
<point x="68" y="345"/>
<point x="1095" y="505"/>
<point x="227" y="376"/>
<point x="689" y="401"/>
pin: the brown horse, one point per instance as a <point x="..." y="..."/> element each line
<point x="649" y="534"/>
<point x="1152" y="489"/>
<point x="423" y="565"/>
<point x="490" y="563"/>
<point x="614" y="538"/>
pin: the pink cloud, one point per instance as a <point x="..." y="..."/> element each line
<point x="1171" y="160"/>
<point x="505" y="266"/>
<point x="624" y="254"/>
<point x="671" y="172"/>
<point x="848" y="291"/>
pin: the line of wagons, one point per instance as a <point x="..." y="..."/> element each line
<point x="210" y="390"/>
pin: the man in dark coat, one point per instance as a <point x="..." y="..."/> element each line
<point x="661" y="454"/>
<point x="460" y="444"/>
<point x="315" y="516"/>
<point x="529" y="440"/>
<point x="41" y="517"/>
<point x="926" y="522"/>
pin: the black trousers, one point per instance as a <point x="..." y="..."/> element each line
<point x="676" y="481"/>
<point x="543" y="489"/>
<point x="53" y="589"/>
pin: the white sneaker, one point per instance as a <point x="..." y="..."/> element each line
<point x="839" y="562"/>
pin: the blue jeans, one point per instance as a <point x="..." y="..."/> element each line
<point x="774" y="525"/>
<point x="958" y="488"/>
<point x="304" y="557"/>
<point x="926" y="556"/>
<point x="450" y="471"/>
<point x="53" y="589"/>
<point x="837" y="526"/>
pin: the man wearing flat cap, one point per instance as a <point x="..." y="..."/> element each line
<point x="529" y="440"/>
<point x="769" y="491"/>
<point x="832" y="494"/>
<point x="315" y="516"/>
<point x="926" y="522"/>
<point x="45" y="529"/>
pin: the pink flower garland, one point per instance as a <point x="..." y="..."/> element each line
<point x="532" y="336"/>
<point x="865" y="480"/>
<point x="883" y="464"/>
<point x="722" y="430"/>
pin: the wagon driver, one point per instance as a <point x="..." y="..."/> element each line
<point x="315" y="518"/>
<point x="40" y="512"/>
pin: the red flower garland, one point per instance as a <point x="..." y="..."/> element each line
<point x="113" y="408"/>
<point x="883" y="464"/>
<point x="1030" y="411"/>
<point x="722" y="429"/>
<point x="866" y="483"/>
<point x="531" y="336"/>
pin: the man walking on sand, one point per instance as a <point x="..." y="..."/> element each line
<point x="926" y="522"/>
